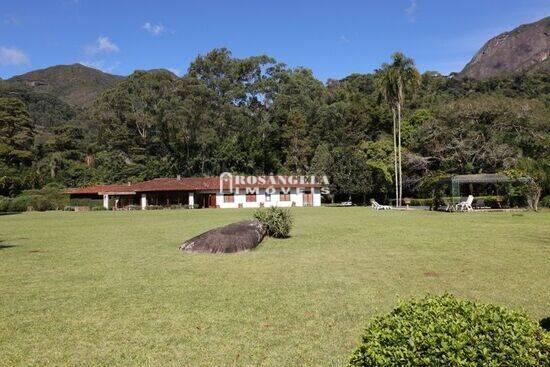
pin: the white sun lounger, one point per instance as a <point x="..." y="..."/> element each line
<point x="377" y="206"/>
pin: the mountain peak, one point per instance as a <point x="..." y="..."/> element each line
<point x="76" y="84"/>
<point x="525" y="48"/>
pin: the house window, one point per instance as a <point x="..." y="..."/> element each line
<point x="284" y="196"/>
<point x="228" y="198"/>
<point x="251" y="198"/>
<point x="267" y="197"/>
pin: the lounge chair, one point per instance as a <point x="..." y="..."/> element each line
<point x="466" y="205"/>
<point x="377" y="206"/>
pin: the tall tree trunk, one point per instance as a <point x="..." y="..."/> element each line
<point x="399" y="152"/>
<point x="395" y="159"/>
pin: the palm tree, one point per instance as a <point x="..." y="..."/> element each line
<point x="386" y="89"/>
<point x="394" y="81"/>
<point x="407" y="78"/>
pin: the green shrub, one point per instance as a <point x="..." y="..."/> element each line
<point x="445" y="331"/>
<point x="47" y="198"/>
<point x="545" y="202"/>
<point x="20" y="203"/>
<point x="43" y="203"/>
<point x="4" y="203"/>
<point x="421" y="202"/>
<point x="277" y="221"/>
<point x="88" y="202"/>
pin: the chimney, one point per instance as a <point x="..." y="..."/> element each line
<point x="178" y="177"/>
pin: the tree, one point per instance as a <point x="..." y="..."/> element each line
<point x="351" y="174"/>
<point x="296" y="143"/>
<point x="16" y="132"/>
<point x="322" y="164"/>
<point x="534" y="177"/>
<point x="387" y="89"/>
<point x="379" y="162"/>
<point x="483" y="133"/>
<point x="395" y="81"/>
<point x="16" y="146"/>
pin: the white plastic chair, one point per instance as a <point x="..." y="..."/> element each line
<point x="466" y="205"/>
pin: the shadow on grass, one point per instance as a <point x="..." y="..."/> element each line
<point x="5" y="245"/>
<point x="9" y="213"/>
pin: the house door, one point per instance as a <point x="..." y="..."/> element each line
<point x="308" y="199"/>
<point x="211" y="200"/>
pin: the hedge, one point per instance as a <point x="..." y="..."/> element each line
<point x="47" y="198"/>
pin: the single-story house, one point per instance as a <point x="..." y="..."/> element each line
<point x="207" y="192"/>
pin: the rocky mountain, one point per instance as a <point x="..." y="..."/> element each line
<point x="75" y="84"/>
<point x="523" y="49"/>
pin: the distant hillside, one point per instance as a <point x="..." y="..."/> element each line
<point x="525" y="48"/>
<point x="76" y="84"/>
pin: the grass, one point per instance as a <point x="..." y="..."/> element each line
<point x="111" y="288"/>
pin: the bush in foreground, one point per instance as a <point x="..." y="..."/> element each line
<point x="277" y="221"/>
<point x="445" y="331"/>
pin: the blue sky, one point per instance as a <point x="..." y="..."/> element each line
<point x="333" y="38"/>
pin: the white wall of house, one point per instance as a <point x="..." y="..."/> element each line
<point x="143" y="201"/>
<point x="316" y="196"/>
<point x="191" y="199"/>
<point x="296" y="198"/>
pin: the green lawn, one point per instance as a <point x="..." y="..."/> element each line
<point x="111" y="288"/>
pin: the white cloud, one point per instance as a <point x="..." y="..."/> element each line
<point x="410" y="11"/>
<point x="10" y="19"/>
<point x="154" y="29"/>
<point x="344" y="39"/>
<point x="13" y="56"/>
<point x="100" y="65"/>
<point x="175" y="71"/>
<point x="102" y="45"/>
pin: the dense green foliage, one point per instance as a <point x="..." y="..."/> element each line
<point x="445" y="331"/>
<point x="47" y="198"/>
<point x="276" y="221"/>
<point x="258" y="116"/>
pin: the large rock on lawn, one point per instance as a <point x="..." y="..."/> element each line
<point x="235" y="237"/>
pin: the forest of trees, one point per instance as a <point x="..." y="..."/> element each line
<point x="258" y="116"/>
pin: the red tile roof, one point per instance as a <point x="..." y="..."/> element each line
<point x="173" y="184"/>
<point x="192" y="184"/>
<point x="98" y="189"/>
